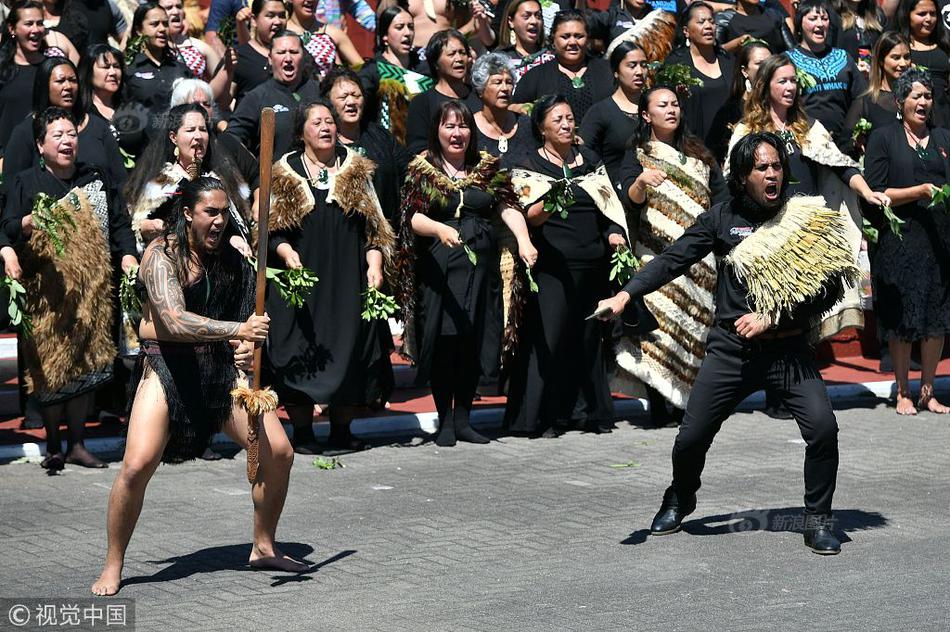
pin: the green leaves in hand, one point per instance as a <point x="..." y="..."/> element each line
<point x="377" y="306"/>
<point x="128" y="297"/>
<point x="16" y="308"/>
<point x="622" y="265"/>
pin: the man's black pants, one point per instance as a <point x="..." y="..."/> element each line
<point x="734" y="368"/>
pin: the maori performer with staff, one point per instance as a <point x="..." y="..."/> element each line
<point x="198" y="333"/>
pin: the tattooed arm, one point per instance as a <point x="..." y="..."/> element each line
<point x="166" y="306"/>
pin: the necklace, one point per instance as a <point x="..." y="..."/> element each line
<point x="502" y="138"/>
<point x="577" y="79"/>
<point x="565" y="164"/>
<point x="459" y="173"/>
<point x="322" y="181"/>
<point x="787" y="137"/>
<point x="922" y="152"/>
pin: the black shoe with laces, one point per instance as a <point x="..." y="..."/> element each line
<point x="669" y="519"/>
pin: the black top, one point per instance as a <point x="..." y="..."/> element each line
<point x="598" y="83"/>
<point x="391" y="160"/>
<point x="891" y="163"/>
<point x="151" y="84"/>
<point x="247" y="163"/>
<point x="765" y="26"/>
<point x="421" y="110"/>
<point x="100" y="20"/>
<point x="704" y="101"/>
<point x="369" y="77"/>
<point x="97" y="149"/>
<point x="718" y="230"/>
<point x="857" y="41"/>
<point x="937" y="63"/>
<point x="612" y="23"/>
<point x="16" y="98"/>
<point x="580" y="239"/>
<point x="251" y="70"/>
<point x="838" y="83"/>
<point x="245" y="121"/>
<point x="27" y="184"/>
<point x="803" y="176"/>
<point x="608" y="131"/>
<point x="522" y="140"/>
<point x="717" y="141"/>
<point x="879" y="113"/>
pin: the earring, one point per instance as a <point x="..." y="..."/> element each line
<point x="176" y="151"/>
<point x="748" y="86"/>
<point x="687" y="41"/>
<point x="42" y="163"/>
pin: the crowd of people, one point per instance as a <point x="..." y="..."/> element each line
<point x="491" y="165"/>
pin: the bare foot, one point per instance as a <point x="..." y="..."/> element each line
<point x="275" y="560"/>
<point x="905" y="405"/>
<point x="109" y="582"/>
<point x="928" y="401"/>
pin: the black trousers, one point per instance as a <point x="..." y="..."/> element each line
<point x="733" y="369"/>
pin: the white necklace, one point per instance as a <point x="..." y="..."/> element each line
<point x="322" y="180"/>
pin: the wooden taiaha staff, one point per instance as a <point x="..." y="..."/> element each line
<point x="257" y="401"/>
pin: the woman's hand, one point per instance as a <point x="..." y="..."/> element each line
<point x="374" y="276"/>
<point x="613" y="306"/>
<point x="291" y="259"/>
<point x="528" y="253"/>
<point x="448" y="236"/>
<point x="238" y="243"/>
<point x="651" y="178"/>
<point x="128" y="262"/>
<point x="151" y="228"/>
<point x="243" y="354"/>
<point x="616" y="240"/>
<point x="924" y="191"/>
<point x="876" y="199"/>
<point x="11" y="263"/>
<point x="255" y="329"/>
<point x="27" y="225"/>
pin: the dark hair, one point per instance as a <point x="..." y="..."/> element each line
<point x="905" y="83"/>
<point x="258" y="5"/>
<point x="223" y="267"/>
<point x="161" y="150"/>
<point x="87" y="65"/>
<point x="683" y="19"/>
<point x="46" y="118"/>
<point x="737" y="91"/>
<point x="887" y="42"/>
<point x="906" y="7"/>
<point x="505" y="31"/>
<point x="434" y="152"/>
<point x="41" y="86"/>
<point x="621" y="51"/>
<point x="866" y="10"/>
<point x="285" y="33"/>
<point x="383" y="22"/>
<point x="8" y="39"/>
<point x="300" y="119"/>
<point x="339" y="73"/>
<point x="742" y="161"/>
<point x="683" y="141"/>
<point x="542" y="106"/>
<point x="804" y="8"/>
<point x="138" y="18"/>
<point x="437" y="44"/>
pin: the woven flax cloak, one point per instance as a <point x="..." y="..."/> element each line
<point x="668" y="358"/>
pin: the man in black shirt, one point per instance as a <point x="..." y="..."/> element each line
<point x="759" y="339"/>
<point x="288" y="87"/>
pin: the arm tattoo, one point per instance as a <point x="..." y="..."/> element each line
<point x="168" y="304"/>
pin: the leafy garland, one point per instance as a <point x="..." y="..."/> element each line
<point x="135" y="46"/>
<point x="559" y="198"/>
<point x="377" y="306"/>
<point x="128" y="296"/>
<point x="861" y="128"/>
<point x="292" y="283"/>
<point x="805" y="81"/>
<point x="622" y="265"/>
<point x="676" y="76"/>
<point x="893" y="223"/>
<point x="16" y="308"/>
<point x="51" y="217"/>
<point x="227" y="32"/>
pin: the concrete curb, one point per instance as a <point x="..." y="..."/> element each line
<point x="417" y="424"/>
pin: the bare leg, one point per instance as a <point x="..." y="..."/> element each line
<point x="930" y="351"/>
<point x="148" y="435"/>
<point x="77" y="411"/>
<point x="900" y="356"/>
<point x="270" y="490"/>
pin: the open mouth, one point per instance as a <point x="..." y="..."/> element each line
<point x="771" y="191"/>
<point x="214" y="236"/>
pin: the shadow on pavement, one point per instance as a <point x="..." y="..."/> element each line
<point x="233" y="557"/>
<point x="785" y="519"/>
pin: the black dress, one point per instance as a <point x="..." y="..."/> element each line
<point x="937" y="63"/>
<point x="559" y="376"/>
<point x="608" y="131"/>
<point x="597" y="80"/>
<point x="324" y="352"/>
<point x="704" y="101"/>
<point x="522" y="140"/>
<point x="391" y="160"/>
<point x="879" y="113"/>
<point x="910" y="274"/>
<point x="251" y="70"/>
<point x="16" y="91"/>
<point x="766" y="26"/>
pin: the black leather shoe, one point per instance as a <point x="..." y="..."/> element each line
<point x="820" y="536"/>
<point x="669" y="519"/>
